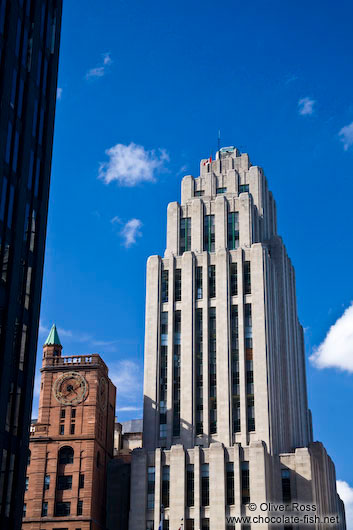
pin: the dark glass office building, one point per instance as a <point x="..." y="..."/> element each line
<point x="29" y="51"/>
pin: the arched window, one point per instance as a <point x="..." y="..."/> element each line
<point x="66" y="455"/>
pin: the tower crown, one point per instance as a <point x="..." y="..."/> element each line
<point x="52" y="346"/>
<point x="53" y="337"/>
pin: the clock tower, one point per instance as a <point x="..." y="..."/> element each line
<point x="70" y="443"/>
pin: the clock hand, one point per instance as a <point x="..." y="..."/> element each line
<point x="71" y="389"/>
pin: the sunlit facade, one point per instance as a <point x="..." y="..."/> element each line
<point x="226" y="419"/>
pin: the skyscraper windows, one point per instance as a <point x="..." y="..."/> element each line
<point x="150" y="487"/>
<point x="212" y="368"/>
<point x="234" y="324"/>
<point x="205" y="485"/>
<point x="199" y="370"/>
<point x="190" y="485"/>
<point x="251" y="413"/>
<point x="286" y="486"/>
<point x="176" y="373"/>
<point x="212" y="281"/>
<point x="234" y="279"/>
<point x="199" y="283"/>
<point x="233" y="230"/>
<point x="177" y="285"/>
<point x="163" y="376"/>
<point x="165" y="285"/>
<point x="245" y="483"/>
<point x="247" y="277"/>
<point x="244" y="188"/>
<point x="209" y="233"/>
<point x="165" y="486"/>
<point x="230" y="482"/>
<point x="185" y="234"/>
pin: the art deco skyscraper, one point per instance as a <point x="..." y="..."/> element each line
<point x="226" y="419"/>
<point x="29" y="51"/>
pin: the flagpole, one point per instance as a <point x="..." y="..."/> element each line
<point x="219" y="150"/>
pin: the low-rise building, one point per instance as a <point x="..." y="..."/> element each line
<point x="127" y="436"/>
<point x="71" y="443"/>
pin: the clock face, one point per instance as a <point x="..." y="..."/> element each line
<point x="103" y="392"/>
<point x="70" y="388"/>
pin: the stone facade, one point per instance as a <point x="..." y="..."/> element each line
<point x="225" y="406"/>
<point x="312" y="482"/>
<point x="70" y="444"/>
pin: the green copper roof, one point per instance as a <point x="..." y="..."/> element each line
<point x="53" y="337"/>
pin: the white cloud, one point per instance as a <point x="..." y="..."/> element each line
<point x="107" y="59"/>
<point x="127" y="377"/>
<point x="67" y="333"/>
<point x="100" y="70"/>
<point x="346" y="493"/>
<point x="346" y="136"/>
<point x="291" y="78"/>
<point x="182" y="170"/>
<point x="336" y="351"/>
<point x="128" y="409"/>
<point x="78" y="337"/>
<point x="116" y="220"/>
<point x="131" y="164"/>
<point x="306" y="106"/>
<point x="103" y="342"/>
<point x="59" y="93"/>
<point x="131" y="232"/>
<point x="96" y="214"/>
<point x="42" y="329"/>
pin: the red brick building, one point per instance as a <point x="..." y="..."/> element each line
<point x="71" y="443"/>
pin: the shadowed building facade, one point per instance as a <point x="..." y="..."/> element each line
<point x="29" y="52"/>
<point x="127" y="437"/>
<point x="71" y="443"/>
<point x="226" y="419"/>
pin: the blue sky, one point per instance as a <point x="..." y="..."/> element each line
<point x="152" y="82"/>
